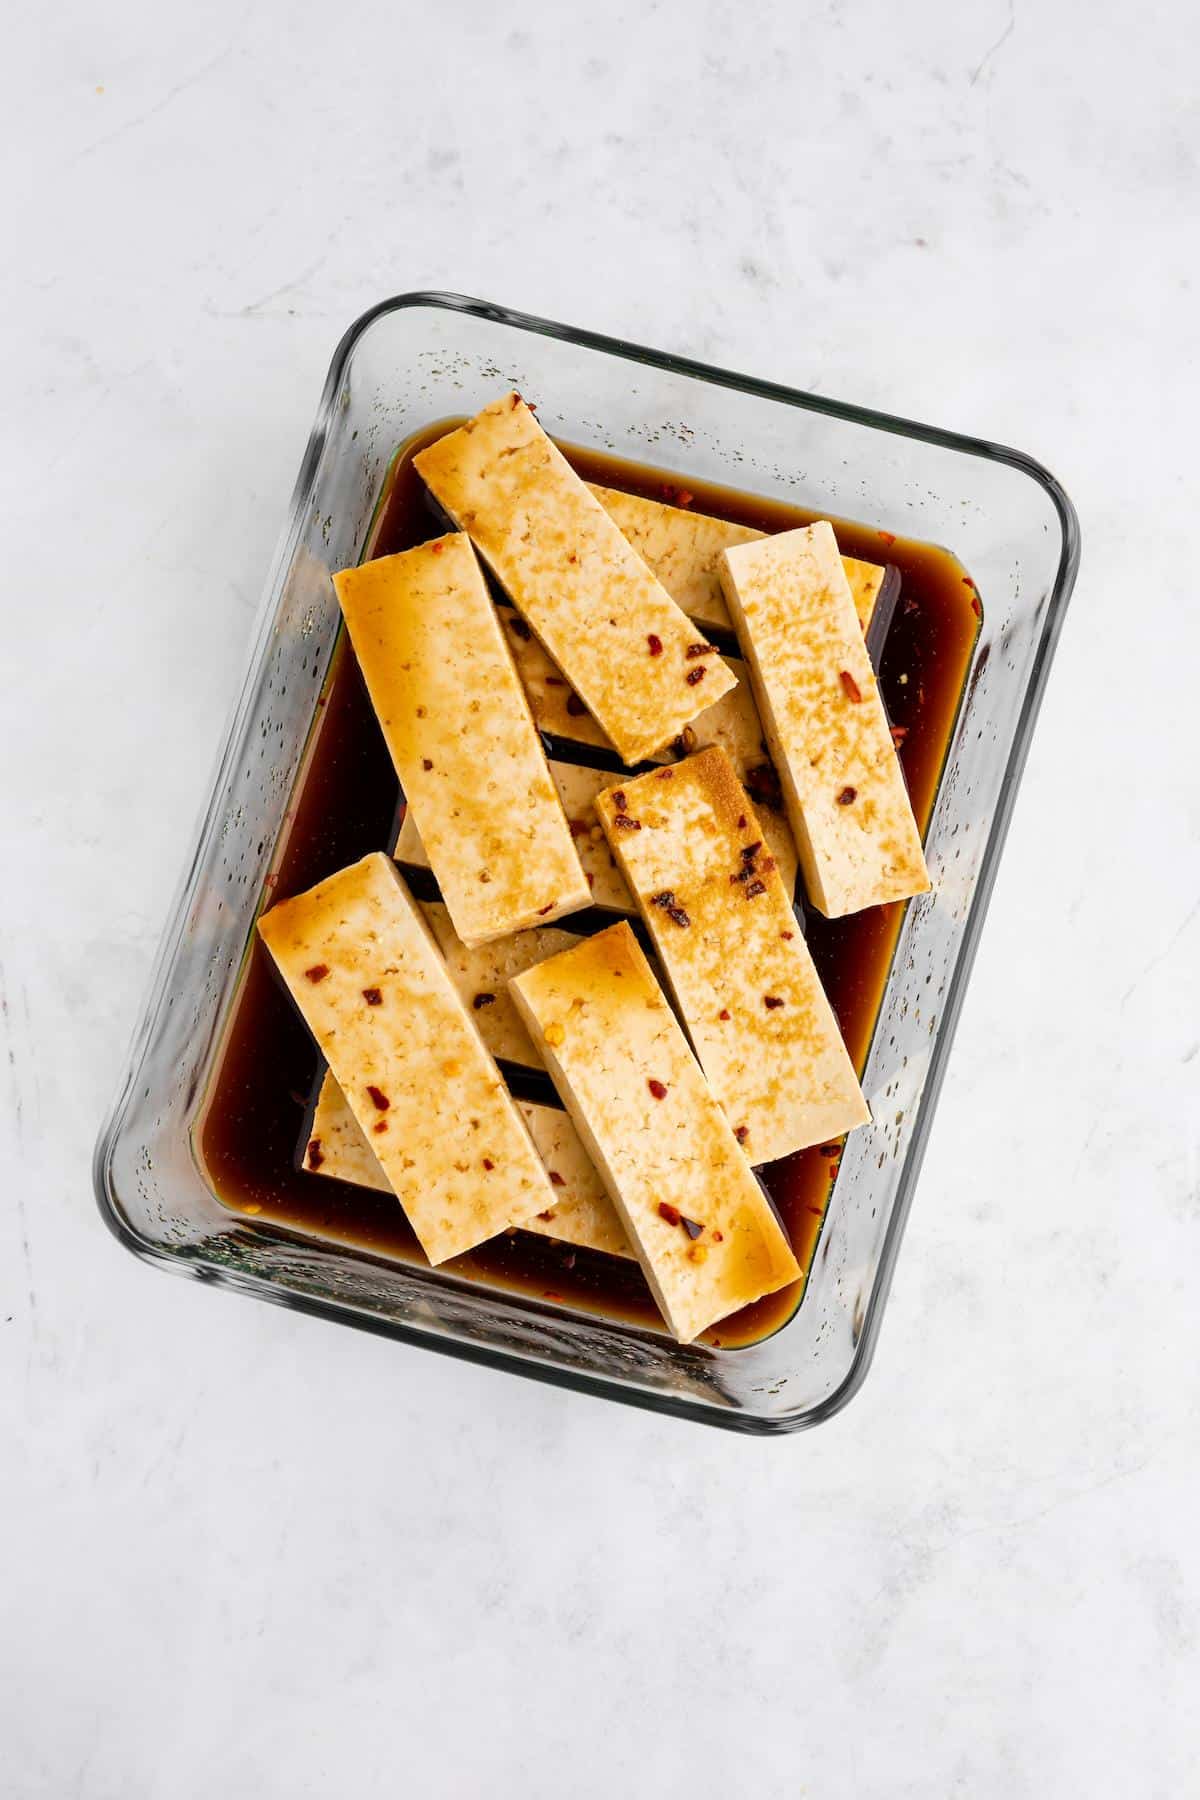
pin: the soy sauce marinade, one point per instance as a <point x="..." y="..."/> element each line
<point x="254" y="1126"/>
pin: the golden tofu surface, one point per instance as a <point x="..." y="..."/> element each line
<point x="362" y="967"/>
<point x="695" y="857"/>
<point x="826" y="726"/>
<point x="461" y="736"/>
<point x="704" y="1232"/>
<point x="639" y="665"/>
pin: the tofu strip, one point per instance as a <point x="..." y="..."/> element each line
<point x="481" y="976"/>
<point x="826" y="727"/>
<point x="733" y="723"/>
<point x="639" y="665"/>
<point x="577" y="789"/>
<point x="694" y="856"/>
<point x="683" y="548"/>
<point x="361" y="965"/>
<point x="582" y="1212"/>
<point x="703" y="1230"/>
<point x="458" y="727"/>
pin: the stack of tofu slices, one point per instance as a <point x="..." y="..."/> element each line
<point x="668" y="1108"/>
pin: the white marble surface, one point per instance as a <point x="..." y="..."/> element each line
<point x="249" y="1554"/>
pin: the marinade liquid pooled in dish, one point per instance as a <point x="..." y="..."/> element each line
<point x="254" y="1126"/>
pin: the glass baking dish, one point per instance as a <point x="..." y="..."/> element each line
<point x="428" y="356"/>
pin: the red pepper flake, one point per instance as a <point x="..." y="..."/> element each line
<point x="829" y="1150"/>
<point x="438" y="546"/>
<point x="853" y="691"/>
<point x="718" y="1237"/>
<point x="967" y="582"/>
<point x="318" y="972"/>
<point x="787" y="936"/>
<point x="372" y="996"/>
<point x="655" y="643"/>
<point x="549" y="1294"/>
<point x="316" y="1155"/>
<point x="847" y="797"/>
<point x="764" y="786"/>
<point x="691" y="1226"/>
<point x="378" y="1098"/>
<point x="771" y="1001"/>
<point x="579" y="827"/>
<point x="623" y="822"/>
<point x="724" y="1013"/>
<point x="546" y="1217"/>
<point x="694" y="650"/>
<point x="571" y="557"/>
<point x="666" y="774"/>
<point x="741" y="821"/>
<point x="575" y="706"/>
<point x="684" y="497"/>
<point x="742" y="1133"/>
<point x="482" y="1000"/>
<point x="750" y="851"/>
<point x="899" y="733"/>
<point x="889" y="537"/>
<point x="488" y="1163"/>
<point x="379" y="1126"/>
<point x="425" y="763"/>
<point x="619" y="801"/>
<point x="695" y="675"/>
<point x="976" y="606"/>
<point x="668" y="1212"/>
<point x="657" y="1088"/>
<point x="556" y="1179"/>
<point x="543" y="910"/>
<point x="755" y="889"/>
<point x="516" y="401"/>
<point x="591" y="879"/>
<point x="520" y="629"/>
<point x="667" y="902"/>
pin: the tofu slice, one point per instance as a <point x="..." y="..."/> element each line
<point x="362" y="967"/>
<point x="459" y="730"/>
<point x="733" y="723"/>
<point x="555" y="705"/>
<point x="577" y="789"/>
<point x="582" y="1212"/>
<point x="482" y="974"/>
<point x="826" y="727"/>
<point x="683" y="548"/>
<point x="694" y="856"/>
<point x="703" y="1230"/>
<point x="610" y="626"/>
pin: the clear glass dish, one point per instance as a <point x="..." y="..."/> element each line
<point x="427" y="356"/>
